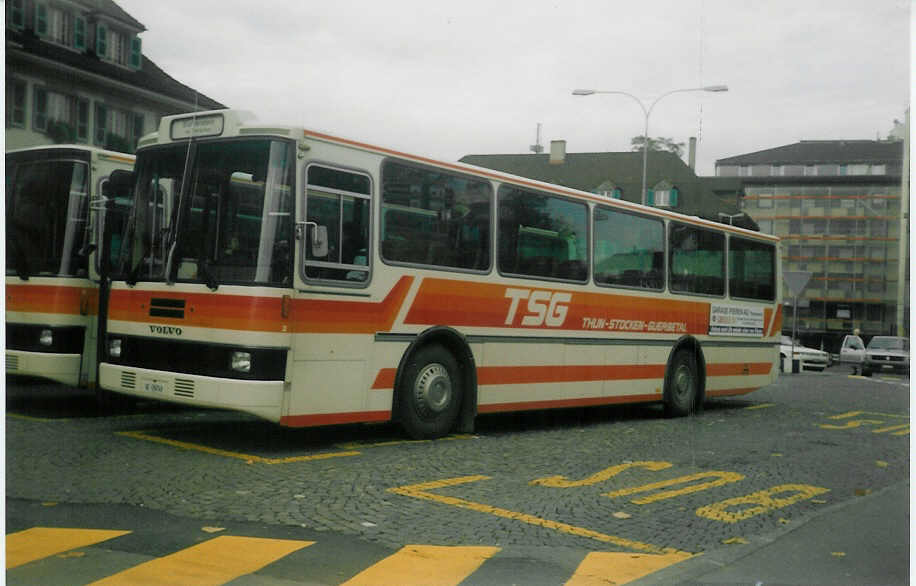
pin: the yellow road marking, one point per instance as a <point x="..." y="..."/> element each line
<point x="229" y="454"/>
<point x="420" y="491"/>
<point x="358" y="445"/>
<point x="762" y="501"/>
<point x="761" y="406"/>
<point x="721" y="478"/>
<point x="41" y="542"/>
<point x="603" y="568"/>
<point x="216" y="561"/>
<point x="30" y="418"/>
<point x="606" y="474"/>
<point x="849" y="414"/>
<point x="903" y="429"/>
<point x="425" y="564"/>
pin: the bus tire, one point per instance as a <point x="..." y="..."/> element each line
<point x="430" y="394"/>
<point x="682" y="385"/>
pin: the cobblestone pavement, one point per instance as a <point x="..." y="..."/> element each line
<point x="605" y="479"/>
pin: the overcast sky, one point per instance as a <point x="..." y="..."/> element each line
<point x="446" y="79"/>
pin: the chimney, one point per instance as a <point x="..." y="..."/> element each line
<point x="557" y="152"/>
<point x="692" y="154"/>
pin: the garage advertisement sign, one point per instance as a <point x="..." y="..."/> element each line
<point x="732" y="320"/>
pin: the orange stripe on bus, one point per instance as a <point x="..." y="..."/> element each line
<point x="350" y="317"/>
<point x="777" y="322"/>
<point x="730" y="392"/>
<point x="738" y="368"/>
<point x="562" y="403"/>
<point x="52" y="299"/>
<point x="466" y="303"/>
<point x="518" y="375"/>
<point x="264" y="314"/>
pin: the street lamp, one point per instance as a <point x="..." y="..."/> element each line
<point x="647" y="112"/>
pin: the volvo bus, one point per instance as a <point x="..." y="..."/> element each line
<point x="52" y="276"/>
<point x="310" y="279"/>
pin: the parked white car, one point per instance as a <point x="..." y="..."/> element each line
<point x="852" y="353"/>
<point x="810" y="359"/>
<point x="887" y="353"/>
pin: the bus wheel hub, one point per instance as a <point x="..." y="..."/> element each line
<point x="433" y="389"/>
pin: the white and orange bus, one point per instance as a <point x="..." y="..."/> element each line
<point x="312" y="280"/>
<point x="52" y="279"/>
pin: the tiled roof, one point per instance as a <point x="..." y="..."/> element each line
<point x="112" y="10"/>
<point x="823" y="151"/>
<point x="150" y="77"/>
<point x="587" y="171"/>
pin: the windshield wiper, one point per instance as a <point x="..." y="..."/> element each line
<point x="208" y="275"/>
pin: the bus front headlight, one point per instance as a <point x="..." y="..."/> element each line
<point x="114" y="348"/>
<point x="241" y="361"/>
<point x="46" y="337"/>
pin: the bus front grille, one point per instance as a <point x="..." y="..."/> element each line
<point x="184" y="388"/>
<point x="12" y="362"/>
<point x="128" y="380"/>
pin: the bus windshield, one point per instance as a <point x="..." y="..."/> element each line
<point x="47" y="206"/>
<point x="212" y="212"/>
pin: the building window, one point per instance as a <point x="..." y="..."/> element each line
<point x="828" y="169"/>
<point x="765" y="202"/>
<point x="877" y="227"/>
<point x="727" y="171"/>
<point x="15" y="103"/>
<point x="117" y="129"/>
<point x="15" y="14"/>
<point x="766" y="226"/>
<point x="60" y="27"/>
<point x="664" y="195"/>
<point x="878" y="169"/>
<point x="760" y="170"/>
<point x="793" y="170"/>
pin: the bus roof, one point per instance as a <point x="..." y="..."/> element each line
<point x="227" y="123"/>
<point x="116" y="155"/>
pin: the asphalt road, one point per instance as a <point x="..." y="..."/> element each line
<point x="817" y="460"/>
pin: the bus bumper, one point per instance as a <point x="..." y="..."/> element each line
<point x="261" y="398"/>
<point x="62" y="368"/>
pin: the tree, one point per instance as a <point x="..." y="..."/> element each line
<point x="657" y="144"/>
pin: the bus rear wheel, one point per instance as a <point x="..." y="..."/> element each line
<point x="682" y="385"/>
<point x="430" y="393"/>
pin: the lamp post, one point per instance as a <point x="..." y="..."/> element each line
<point x="647" y="112"/>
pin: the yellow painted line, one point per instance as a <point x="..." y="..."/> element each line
<point x="849" y="414"/>
<point x="420" y="491"/>
<point x="603" y="475"/>
<point x="604" y="568"/>
<point x="358" y="445"/>
<point x="761" y="406"/>
<point x="229" y="454"/>
<point x="41" y="542"/>
<point x="429" y="565"/>
<point x="216" y="561"/>
<point x="30" y="418"/>
<point x="898" y="429"/>
<point x="721" y="478"/>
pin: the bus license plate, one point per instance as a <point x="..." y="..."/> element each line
<point x="154" y="386"/>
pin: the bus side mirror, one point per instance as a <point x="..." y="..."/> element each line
<point x="320" y="241"/>
<point x="120" y="182"/>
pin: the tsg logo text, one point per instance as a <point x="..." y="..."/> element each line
<point x="544" y="307"/>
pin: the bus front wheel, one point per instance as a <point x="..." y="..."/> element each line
<point x="682" y="385"/>
<point x="430" y="395"/>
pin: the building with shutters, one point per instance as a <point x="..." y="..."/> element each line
<point x="76" y="73"/>
<point x="671" y="183"/>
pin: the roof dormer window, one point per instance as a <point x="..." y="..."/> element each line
<point x="117" y="47"/>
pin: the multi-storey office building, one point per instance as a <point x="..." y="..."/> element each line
<point x="837" y="206"/>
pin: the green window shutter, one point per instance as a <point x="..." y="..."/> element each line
<point x="79" y="33"/>
<point x="41" y="20"/>
<point x="101" y="40"/>
<point x="82" y="120"/>
<point x="673" y="197"/>
<point x="40" y="118"/>
<point x="17" y="14"/>
<point x="101" y="119"/>
<point x="650" y="198"/>
<point x="138" y="128"/>
<point x="136" y="55"/>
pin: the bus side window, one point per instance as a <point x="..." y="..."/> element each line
<point x="697" y="260"/>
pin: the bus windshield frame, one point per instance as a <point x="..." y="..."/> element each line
<point x="213" y="212"/>
<point x="47" y="211"/>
